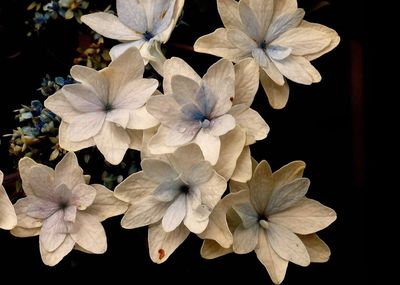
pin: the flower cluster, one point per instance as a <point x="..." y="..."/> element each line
<point x="198" y="175"/>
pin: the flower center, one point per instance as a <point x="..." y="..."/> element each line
<point x="205" y="123"/>
<point x="63" y="205"/>
<point x="184" y="189"/>
<point x="148" y="35"/>
<point x="263" y="45"/>
<point x="108" y="107"/>
<point x="263" y="223"/>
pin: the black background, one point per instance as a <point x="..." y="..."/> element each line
<point x="325" y="124"/>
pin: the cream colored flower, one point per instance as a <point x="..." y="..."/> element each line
<point x="63" y="209"/>
<point x="8" y="219"/>
<point x="274" y="34"/>
<point x="174" y="196"/>
<point x="107" y="108"/>
<point x="201" y="110"/>
<point x="271" y="216"/>
<point x="144" y="24"/>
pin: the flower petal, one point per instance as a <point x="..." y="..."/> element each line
<point x="245" y="239"/>
<point x="43" y="182"/>
<point x="251" y="25"/>
<point x="284" y="23"/>
<point x="25" y="232"/>
<point x="282" y="7"/>
<point x="212" y="190"/>
<point x="54" y="257"/>
<point x="247" y="214"/>
<point x="240" y="40"/>
<point x="306" y="217"/>
<point x="220" y="86"/>
<point x="93" y="79"/>
<point x="246" y="81"/>
<point x="298" y="69"/>
<point x="168" y="190"/>
<point x="275" y="265"/>
<point x="134" y="188"/>
<point x="157" y="144"/>
<point x="83" y="98"/>
<point x="218" y="44"/>
<point x="229" y="13"/>
<point x="152" y="52"/>
<point x="218" y="228"/>
<point x="141" y="119"/>
<point x="132" y="14"/>
<point x="135" y="93"/>
<point x="176" y="66"/>
<point x="158" y="171"/>
<point x="243" y="170"/>
<point x="144" y="212"/>
<point x="122" y="70"/>
<point x="332" y="34"/>
<point x="251" y="121"/>
<point x="8" y="218"/>
<point x="277" y="95"/>
<point x="287" y="245"/>
<point x="165" y="34"/>
<point x="41" y="209"/>
<point x="110" y="26"/>
<point x="21" y="210"/>
<point x="278" y="52"/>
<point x="69" y="145"/>
<point x="88" y="232"/>
<point x="156" y="13"/>
<point x="83" y="196"/>
<point x="209" y="145"/>
<point x="196" y="219"/>
<point x="68" y="171"/>
<point x="54" y="231"/>
<point x="303" y="41"/>
<point x="232" y="145"/>
<point x="181" y="164"/>
<point x="211" y="249"/>
<point x="119" y="49"/>
<point x="105" y="205"/>
<point x="112" y="142"/>
<point x="268" y="66"/>
<point x="261" y="187"/>
<point x="175" y="214"/>
<point x="186" y="91"/>
<point x="164" y="108"/>
<point x="262" y="11"/>
<point x="86" y="126"/>
<point x="120" y="117"/>
<point x="24" y="168"/>
<point x="136" y="138"/>
<point x="288" y="173"/>
<point x="162" y="244"/>
<point x="221" y="125"/>
<point x="287" y="196"/>
<point x="317" y="248"/>
<point x="59" y="105"/>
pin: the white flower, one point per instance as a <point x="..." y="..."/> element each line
<point x="107" y="108"/>
<point x="199" y="110"/>
<point x="62" y="209"/>
<point x="174" y="196"/>
<point x="276" y="36"/>
<point x="8" y="219"/>
<point x="144" y="24"/>
<point x="272" y="217"/>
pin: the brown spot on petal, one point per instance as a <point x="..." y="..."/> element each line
<point x="161" y="253"/>
<point x="163" y="14"/>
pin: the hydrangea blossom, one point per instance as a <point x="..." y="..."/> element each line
<point x="144" y="24"/>
<point x="270" y="215"/>
<point x="63" y="209"/>
<point x="201" y="110"/>
<point x="107" y="108"/>
<point x="276" y="36"/>
<point x="8" y="219"/>
<point x="174" y="196"/>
